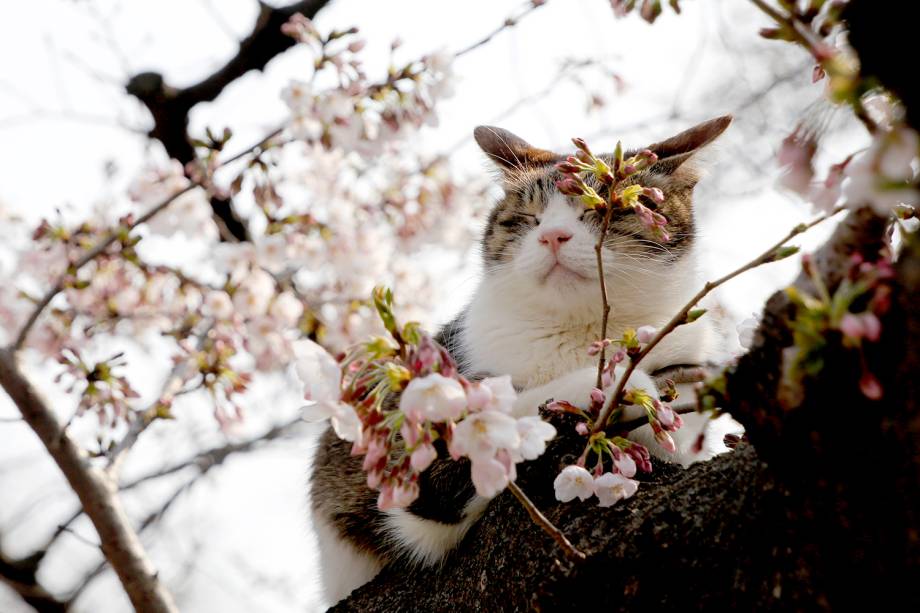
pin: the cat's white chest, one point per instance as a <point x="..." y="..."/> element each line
<point x="533" y="356"/>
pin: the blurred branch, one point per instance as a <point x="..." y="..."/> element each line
<point x="19" y="575"/>
<point x="170" y="106"/>
<point x="204" y="462"/>
<point x="510" y="22"/>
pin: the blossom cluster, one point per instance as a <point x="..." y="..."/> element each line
<point x="882" y="176"/>
<point x="617" y="190"/>
<point x="402" y="403"/>
<point x="625" y="456"/>
<point x="327" y="218"/>
<point x="358" y="114"/>
<point x="853" y="311"/>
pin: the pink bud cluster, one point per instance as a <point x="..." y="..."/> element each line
<point x="102" y="390"/>
<point x="649" y="10"/>
<point x="854" y="310"/>
<point x="615" y="178"/>
<point x="402" y="403"/>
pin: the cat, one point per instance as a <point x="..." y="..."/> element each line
<point x="533" y="316"/>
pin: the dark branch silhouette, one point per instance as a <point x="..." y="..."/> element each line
<point x="170" y="106"/>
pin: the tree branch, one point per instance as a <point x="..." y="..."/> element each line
<point x="170" y="106"/>
<point x="20" y="576"/>
<point x="770" y="255"/>
<point x="114" y="236"/>
<point x="97" y="494"/>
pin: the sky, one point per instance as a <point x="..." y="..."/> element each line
<point x="71" y="139"/>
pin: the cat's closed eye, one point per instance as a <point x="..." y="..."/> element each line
<point x="519" y="219"/>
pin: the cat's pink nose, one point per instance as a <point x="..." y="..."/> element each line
<point x="554" y="238"/>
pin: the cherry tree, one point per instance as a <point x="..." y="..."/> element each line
<point x="340" y="202"/>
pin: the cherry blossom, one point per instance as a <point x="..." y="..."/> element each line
<point x="434" y="397"/>
<point x="879" y="176"/>
<point x="574" y="481"/>
<point x="489" y="476"/>
<point x="611" y="488"/>
<point x="534" y="433"/>
<point x="481" y="435"/>
<point x="320" y="375"/>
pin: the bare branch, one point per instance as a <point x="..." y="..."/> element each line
<point x="510" y="22"/>
<point x="20" y="576"/>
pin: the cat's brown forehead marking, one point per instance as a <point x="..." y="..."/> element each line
<point x="529" y="192"/>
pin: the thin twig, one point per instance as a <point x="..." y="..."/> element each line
<point x="806" y="38"/>
<point x="681" y="316"/>
<point x="510" y="22"/>
<point x="605" y="315"/>
<point x="541" y="520"/>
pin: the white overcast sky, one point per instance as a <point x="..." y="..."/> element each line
<point x="64" y="116"/>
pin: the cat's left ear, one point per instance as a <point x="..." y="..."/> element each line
<point x="674" y="151"/>
<point x="511" y="153"/>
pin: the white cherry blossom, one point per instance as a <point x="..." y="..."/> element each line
<point x="574" y="481"/>
<point x="611" y="488"/>
<point x="433" y="397"/>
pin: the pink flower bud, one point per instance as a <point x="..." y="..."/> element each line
<point x="582" y="145"/>
<point x="570" y="187"/>
<point x="423" y="456"/>
<point x="667" y="443"/>
<point x="654" y="194"/>
<point x="646" y="333"/>
<point x="872" y="327"/>
<point x="665" y="415"/>
<point x="581" y="428"/>
<point x="568" y="168"/>
<point x="410" y="432"/>
<point x="870" y="386"/>
<point x="597" y="395"/>
<point x="648" y="156"/>
<point x="852" y="326"/>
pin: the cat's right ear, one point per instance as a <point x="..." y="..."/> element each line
<point x="512" y="154"/>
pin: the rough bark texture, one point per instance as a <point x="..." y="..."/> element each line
<point x="170" y="106"/>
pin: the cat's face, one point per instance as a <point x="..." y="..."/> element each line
<point x="543" y="242"/>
